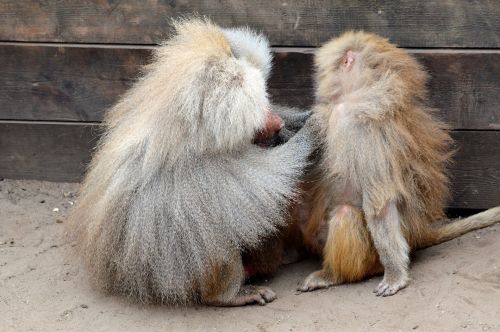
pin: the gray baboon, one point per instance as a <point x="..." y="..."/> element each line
<point x="177" y="189"/>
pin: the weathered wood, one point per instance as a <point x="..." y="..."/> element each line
<point x="431" y="23"/>
<point x="46" y="151"/>
<point x="79" y="83"/>
<point x="475" y="172"/>
<point x="465" y="87"/>
<point x="291" y="81"/>
<point x="64" y="83"/>
<point x="59" y="152"/>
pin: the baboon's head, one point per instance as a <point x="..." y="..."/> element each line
<point x="212" y="87"/>
<point x="358" y="61"/>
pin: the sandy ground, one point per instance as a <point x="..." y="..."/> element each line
<point x="456" y="285"/>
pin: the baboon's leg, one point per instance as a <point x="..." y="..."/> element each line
<point x="348" y="254"/>
<point x="392" y="248"/>
<point x="223" y="287"/>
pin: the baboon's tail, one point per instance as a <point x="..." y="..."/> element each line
<point x="447" y="231"/>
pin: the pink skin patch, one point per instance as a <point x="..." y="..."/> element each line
<point x="249" y="271"/>
<point x="349" y="60"/>
<point x="272" y="125"/>
<point x="343" y="210"/>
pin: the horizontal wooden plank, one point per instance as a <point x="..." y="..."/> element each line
<point x="475" y="172"/>
<point x="64" y="83"/>
<point x="54" y="152"/>
<point x="50" y="83"/>
<point x="59" y="152"/>
<point x="431" y="23"/>
<point x="465" y="87"/>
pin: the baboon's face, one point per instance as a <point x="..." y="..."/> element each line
<point x="252" y="52"/>
<point x="216" y="96"/>
<point x="272" y="126"/>
<point x="235" y="103"/>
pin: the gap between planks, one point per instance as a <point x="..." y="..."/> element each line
<point x="277" y="49"/>
<point x="97" y="123"/>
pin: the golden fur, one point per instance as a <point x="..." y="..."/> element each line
<point x="384" y="156"/>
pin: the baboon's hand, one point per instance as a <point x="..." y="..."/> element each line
<point x="294" y="118"/>
<point x="303" y="142"/>
<point x="295" y="121"/>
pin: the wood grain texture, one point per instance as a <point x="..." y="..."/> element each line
<point x="64" y="83"/>
<point x="49" y="83"/>
<point x="410" y="23"/>
<point x="465" y="87"/>
<point x="60" y="152"/>
<point x="475" y="172"/>
<point x="45" y="151"/>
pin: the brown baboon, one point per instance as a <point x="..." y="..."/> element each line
<point x="382" y="183"/>
<point x="177" y="189"/>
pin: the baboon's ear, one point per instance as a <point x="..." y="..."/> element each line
<point x="349" y="59"/>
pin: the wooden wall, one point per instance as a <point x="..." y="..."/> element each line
<point x="63" y="63"/>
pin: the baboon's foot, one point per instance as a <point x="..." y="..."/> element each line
<point x="315" y="280"/>
<point x="252" y="295"/>
<point x="390" y="287"/>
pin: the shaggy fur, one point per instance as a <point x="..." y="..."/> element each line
<point x="382" y="180"/>
<point x="252" y="46"/>
<point x="176" y="189"/>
